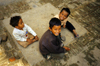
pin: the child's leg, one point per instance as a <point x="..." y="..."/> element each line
<point x="58" y="56"/>
<point x="30" y="36"/>
<point x="62" y="38"/>
<point x="23" y="43"/>
<point x="71" y="28"/>
<point x="75" y="34"/>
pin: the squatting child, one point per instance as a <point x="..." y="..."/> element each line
<point x="63" y="15"/>
<point x="50" y="44"/>
<point x="22" y="32"/>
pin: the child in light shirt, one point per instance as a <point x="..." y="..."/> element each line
<point x="22" y="32"/>
<point x="63" y="17"/>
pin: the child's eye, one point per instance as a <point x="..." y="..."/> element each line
<point x="55" y="29"/>
<point x="60" y="29"/>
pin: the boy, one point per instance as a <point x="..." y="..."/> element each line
<point x="50" y="43"/>
<point x="22" y="32"/>
<point x="63" y="15"/>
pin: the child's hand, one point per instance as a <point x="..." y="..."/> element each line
<point x="36" y="38"/>
<point x="64" y="26"/>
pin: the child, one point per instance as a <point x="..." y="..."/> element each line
<point x="22" y="32"/>
<point x="63" y="15"/>
<point x="50" y="43"/>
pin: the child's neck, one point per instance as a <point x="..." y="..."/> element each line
<point x="20" y="28"/>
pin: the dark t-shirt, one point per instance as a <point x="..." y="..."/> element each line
<point x="49" y="43"/>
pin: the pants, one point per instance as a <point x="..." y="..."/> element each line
<point x="25" y="43"/>
<point x="58" y="56"/>
<point x="69" y="26"/>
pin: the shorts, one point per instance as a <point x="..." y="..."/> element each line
<point x="25" y="43"/>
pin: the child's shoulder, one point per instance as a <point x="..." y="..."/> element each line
<point x="25" y="25"/>
<point x="15" y="30"/>
<point x="56" y="16"/>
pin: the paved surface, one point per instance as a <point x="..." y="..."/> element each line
<point x="85" y="50"/>
<point x="6" y="2"/>
<point x="39" y="23"/>
<point x="4" y="61"/>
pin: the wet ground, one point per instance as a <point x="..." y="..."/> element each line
<point x="85" y="50"/>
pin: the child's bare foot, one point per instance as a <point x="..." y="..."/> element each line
<point x="36" y="38"/>
<point x="29" y="41"/>
<point x="76" y="36"/>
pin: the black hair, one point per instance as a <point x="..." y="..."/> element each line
<point x="67" y="10"/>
<point x="15" y="20"/>
<point x="54" y="21"/>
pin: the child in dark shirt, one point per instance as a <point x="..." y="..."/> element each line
<point x="50" y="43"/>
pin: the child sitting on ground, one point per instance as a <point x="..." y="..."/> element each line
<point x="63" y="15"/>
<point x="22" y="32"/>
<point x="50" y="43"/>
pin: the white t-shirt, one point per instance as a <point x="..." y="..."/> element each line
<point x="20" y="35"/>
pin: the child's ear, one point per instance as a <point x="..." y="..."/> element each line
<point x="49" y="28"/>
<point x="16" y="26"/>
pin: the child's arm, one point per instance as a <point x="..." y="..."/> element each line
<point x="64" y="26"/>
<point x="64" y="22"/>
<point x="18" y="37"/>
<point x="29" y="29"/>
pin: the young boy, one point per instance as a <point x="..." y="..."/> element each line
<point x="50" y="43"/>
<point x="22" y="32"/>
<point x="63" y="15"/>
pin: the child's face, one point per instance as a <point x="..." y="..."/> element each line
<point x="63" y="15"/>
<point x="20" y="24"/>
<point x="55" y="30"/>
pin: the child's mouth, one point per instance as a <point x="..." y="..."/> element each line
<point x="56" y="33"/>
<point x="61" y="18"/>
